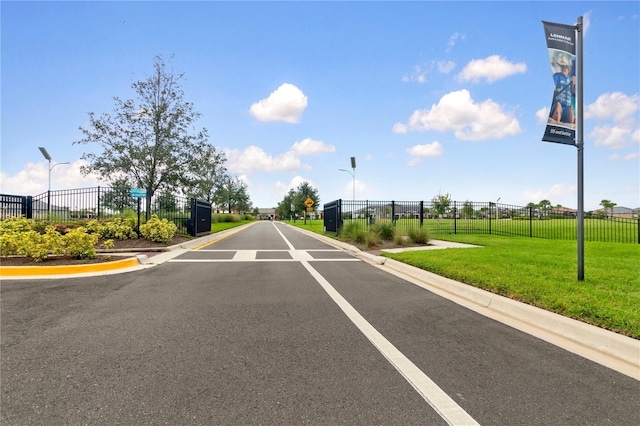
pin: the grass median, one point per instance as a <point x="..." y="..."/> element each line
<point x="543" y="273"/>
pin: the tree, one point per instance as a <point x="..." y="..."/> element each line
<point x="118" y="198"/>
<point x="149" y="141"/>
<point x="441" y="204"/>
<point x="297" y="198"/>
<point x="467" y="210"/>
<point x="232" y="193"/>
<point x="608" y="207"/>
<point x="545" y="206"/>
<point x="206" y="174"/>
<point x="166" y="201"/>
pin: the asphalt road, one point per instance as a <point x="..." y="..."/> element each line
<point x="270" y="326"/>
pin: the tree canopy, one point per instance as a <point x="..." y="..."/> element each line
<point x="151" y="141"/>
<point x="296" y="198"/>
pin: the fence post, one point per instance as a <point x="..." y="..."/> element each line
<point x="98" y="208"/>
<point x="27" y="206"/>
<point x="393" y="213"/>
<point x="530" y="222"/>
<point x="490" y="213"/>
<point x="48" y="204"/>
<point x="455" y="218"/>
<point x="421" y="213"/>
<point x="366" y="213"/>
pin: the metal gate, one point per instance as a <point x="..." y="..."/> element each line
<point x="200" y="222"/>
<point x="333" y="216"/>
<point x="16" y="206"/>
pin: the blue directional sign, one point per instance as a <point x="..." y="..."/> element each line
<point x="138" y="193"/>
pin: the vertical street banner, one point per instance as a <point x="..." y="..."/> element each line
<point x="561" y="45"/>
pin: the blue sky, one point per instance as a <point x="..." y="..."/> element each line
<point x="430" y="97"/>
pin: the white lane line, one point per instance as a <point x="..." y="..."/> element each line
<point x="446" y="407"/>
<point x="442" y="403"/>
<point x="255" y="260"/>
<point x="245" y="255"/>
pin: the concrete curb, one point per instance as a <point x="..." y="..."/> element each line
<point x="613" y="350"/>
<point x="131" y="260"/>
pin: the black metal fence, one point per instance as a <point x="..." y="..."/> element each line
<point x="487" y="218"/>
<point x="102" y="202"/>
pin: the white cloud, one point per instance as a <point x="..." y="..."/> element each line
<point x="586" y="22"/>
<point x="420" y="73"/>
<point x="254" y="159"/>
<point x="454" y="39"/>
<point x="610" y="136"/>
<point x="492" y="68"/>
<point x="628" y="157"/>
<point x="309" y="146"/>
<point x="619" y="112"/>
<point x="446" y="67"/>
<point x="616" y="106"/>
<point x="542" y="116"/>
<point x="400" y="128"/>
<point x="457" y="112"/>
<point x="33" y="179"/>
<point x="286" y="103"/>
<point x="296" y="181"/>
<point x="557" y="194"/>
<point x="433" y="149"/>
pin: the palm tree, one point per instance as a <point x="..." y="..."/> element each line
<point x="608" y="206"/>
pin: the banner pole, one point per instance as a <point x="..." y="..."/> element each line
<point x="580" y="146"/>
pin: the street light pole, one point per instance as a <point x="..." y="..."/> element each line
<point x="46" y="155"/>
<point x="354" y="181"/>
<point x="353" y="166"/>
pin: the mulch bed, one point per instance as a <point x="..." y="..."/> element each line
<point x="139" y="244"/>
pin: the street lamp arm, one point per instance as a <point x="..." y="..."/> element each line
<point x="343" y="170"/>
<point x="58" y="164"/>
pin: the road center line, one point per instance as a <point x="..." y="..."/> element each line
<point x="442" y="403"/>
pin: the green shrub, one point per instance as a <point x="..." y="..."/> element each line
<point x="95" y="227"/>
<point x="353" y="232"/>
<point x="16" y="224"/>
<point x="12" y="235"/>
<point x="229" y="217"/>
<point x="419" y="235"/>
<point x="119" y="228"/>
<point x="385" y="230"/>
<point x="158" y="230"/>
<point x="372" y="239"/>
<point x="401" y="240"/>
<point x="79" y="244"/>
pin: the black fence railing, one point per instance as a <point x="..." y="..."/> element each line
<point x="469" y="217"/>
<point x="102" y="202"/>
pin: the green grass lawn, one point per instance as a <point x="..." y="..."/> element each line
<point x="543" y="273"/>
<point x="222" y="226"/>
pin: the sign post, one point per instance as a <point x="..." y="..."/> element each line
<point x="309" y="203"/>
<point x="138" y="193"/>
<point x="565" y="124"/>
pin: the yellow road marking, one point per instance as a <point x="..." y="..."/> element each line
<point x="223" y="237"/>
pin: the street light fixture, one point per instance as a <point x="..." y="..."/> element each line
<point x="353" y="166"/>
<point x="48" y="158"/>
<point x="46" y="155"/>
